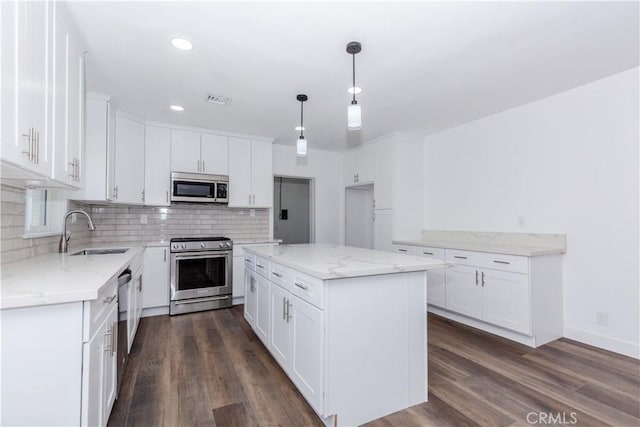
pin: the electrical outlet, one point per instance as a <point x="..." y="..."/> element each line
<point x="521" y="221"/>
<point x="602" y="319"/>
<point x="143" y="218"/>
<point x="252" y="212"/>
<point x="74" y="218"/>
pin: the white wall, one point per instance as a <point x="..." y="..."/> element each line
<point x="325" y="168"/>
<point x="566" y="164"/>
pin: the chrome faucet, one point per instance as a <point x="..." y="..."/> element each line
<point x="64" y="240"/>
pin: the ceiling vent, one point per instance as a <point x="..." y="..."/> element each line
<point x="218" y="99"/>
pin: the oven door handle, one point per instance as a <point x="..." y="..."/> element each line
<point x="198" y="255"/>
<point x="196" y="300"/>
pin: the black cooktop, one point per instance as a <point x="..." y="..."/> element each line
<point x="199" y="239"/>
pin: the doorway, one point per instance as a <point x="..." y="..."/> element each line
<point x="359" y="216"/>
<point x="293" y="210"/>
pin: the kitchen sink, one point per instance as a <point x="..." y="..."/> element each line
<point x="101" y="251"/>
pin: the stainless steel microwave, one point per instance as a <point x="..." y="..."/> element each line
<point x="199" y="188"/>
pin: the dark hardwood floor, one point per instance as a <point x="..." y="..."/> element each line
<point x="210" y="369"/>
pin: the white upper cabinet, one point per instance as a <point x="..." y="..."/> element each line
<point x="185" y="151"/>
<point x="359" y="166"/>
<point x="27" y="66"/>
<point x="157" y="161"/>
<point x="199" y="152"/>
<point x="69" y="103"/>
<point x="129" y="176"/>
<point x="99" y="158"/>
<point x="214" y="153"/>
<point x="250" y="173"/>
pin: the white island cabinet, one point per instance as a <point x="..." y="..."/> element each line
<point x="319" y="306"/>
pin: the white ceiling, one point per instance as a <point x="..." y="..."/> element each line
<point x="424" y="66"/>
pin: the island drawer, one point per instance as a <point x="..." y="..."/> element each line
<point x="430" y="252"/>
<point x="512" y="263"/>
<point x="309" y="289"/>
<point x="281" y="276"/>
<point x="95" y="311"/>
<point x="250" y="261"/>
<point x="463" y="257"/>
<point x="262" y="267"/>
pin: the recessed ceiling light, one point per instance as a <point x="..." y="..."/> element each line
<point x="177" y="108"/>
<point x="299" y="128"/>
<point x="181" y="44"/>
<point x="355" y="90"/>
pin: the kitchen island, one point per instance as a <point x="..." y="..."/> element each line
<point x="347" y="325"/>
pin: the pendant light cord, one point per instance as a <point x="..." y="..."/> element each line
<point x="302" y="119"/>
<point x="354" y="78"/>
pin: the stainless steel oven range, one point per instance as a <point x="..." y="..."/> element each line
<point x="201" y="269"/>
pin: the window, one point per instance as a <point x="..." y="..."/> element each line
<point x="42" y="213"/>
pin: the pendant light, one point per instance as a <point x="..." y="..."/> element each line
<point x="354" y="112"/>
<point x="301" y="146"/>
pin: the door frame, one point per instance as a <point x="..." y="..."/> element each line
<point x="312" y="205"/>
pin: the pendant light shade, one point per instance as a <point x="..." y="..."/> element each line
<point x="354" y="111"/>
<point x="301" y="145"/>
<point x="354" y="117"/>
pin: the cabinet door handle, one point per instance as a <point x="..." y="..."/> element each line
<point x="203" y="168"/>
<point x="109" y="300"/>
<point x="198" y="165"/>
<point x="72" y="166"/>
<point x="140" y="283"/>
<point x="254" y="200"/>
<point x="301" y="286"/>
<point x="289" y="310"/>
<point x="402" y="250"/>
<point x="427" y="253"/>
<point x="460" y="257"/>
<point x="249" y="198"/>
<point x="476" y="277"/>
<point x="167" y="196"/>
<point x="260" y="266"/>
<point x="501" y="262"/>
<point x="36" y="147"/>
<point x="114" y="337"/>
<point x="276" y="274"/>
<point x="483" y="279"/>
<point x="284" y="308"/>
<point x="165" y="256"/>
<point x="29" y="138"/>
<point x="115" y="192"/>
<point x="108" y="346"/>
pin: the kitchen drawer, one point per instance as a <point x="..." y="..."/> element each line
<point x="437" y="253"/>
<point x="282" y="276"/>
<point x="96" y="311"/>
<point x="262" y="267"/>
<point x="309" y="289"/>
<point x="512" y="263"/>
<point x="405" y="249"/>
<point x="464" y="257"/>
<point x="250" y="261"/>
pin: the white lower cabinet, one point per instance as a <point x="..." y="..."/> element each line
<point x="464" y="296"/>
<point x="238" y="270"/>
<point x="505" y="300"/>
<point x="279" y="334"/>
<point x="262" y="308"/>
<point x="156" y="277"/>
<point x="250" y="296"/>
<point x="436" y="289"/>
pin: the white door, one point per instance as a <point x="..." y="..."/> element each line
<point x="262" y="309"/>
<point x="131" y="312"/>
<point x="307" y="351"/>
<point x="279" y="332"/>
<point x="238" y="276"/>
<point x="139" y="299"/>
<point x="157" y="171"/>
<point x="109" y="378"/>
<point x="359" y="216"/>
<point x="463" y="291"/>
<point x="129" y="161"/>
<point x="215" y="154"/>
<point x="240" y="173"/>
<point x="250" y="296"/>
<point x="34" y="60"/>
<point x="12" y="142"/>
<point x="63" y="168"/>
<point x="261" y="174"/>
<point x="75" y="109"/>
<point x="156" y="277"/>
<point x="185" y="151"/>
<point x="93" y="359"/>
<point x="505" y="300"/>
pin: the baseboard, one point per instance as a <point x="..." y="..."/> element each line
<point x="155" y="311"/>
<point x="615" y="345"/>
<point x="237" y="300"/>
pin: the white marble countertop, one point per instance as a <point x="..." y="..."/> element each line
<point x="157" y="244"/>
<point x="325" y="261"/>
<point x="60" y="278"/>
<point x="255" y="241"/>
<point x="505" y="249"/>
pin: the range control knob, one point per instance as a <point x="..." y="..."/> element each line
<point x="203" y="245"/>
<point x="175" y="246"/>
<point x="221" y="244"/>
<point x="228" y="244"/>
<point x="184" y="246"/>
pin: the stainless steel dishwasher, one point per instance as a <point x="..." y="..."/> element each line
<point x="124" y="281"/>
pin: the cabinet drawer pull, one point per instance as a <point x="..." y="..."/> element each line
<point x="427" y="253"/>
<point x="109" y="300"/>
<point x="276" y="274"/>
<point x="476" y="277"/>
<point x="284" y="308"/>
<point x="301" y="286"/>
<point x="483" y="279"/>
<point x="260" y="266"/>
<point x="402" y="250"/>
<point x="460" y="257"/>
<point x="501" y="262"/>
